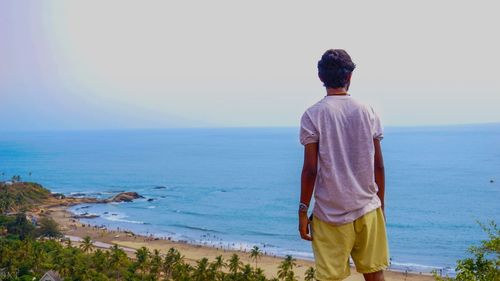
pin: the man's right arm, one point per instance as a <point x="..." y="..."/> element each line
<point x="308" y="178"/>
<point x="379" y="171"/>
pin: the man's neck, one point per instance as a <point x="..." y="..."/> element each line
<point x="336" y="91"/>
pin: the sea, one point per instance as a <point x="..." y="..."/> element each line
<point x="239" y="187"/>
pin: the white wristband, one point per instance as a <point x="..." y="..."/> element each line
<point x="303" y="207"/>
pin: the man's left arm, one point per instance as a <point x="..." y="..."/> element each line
<point x="379" y="172"/>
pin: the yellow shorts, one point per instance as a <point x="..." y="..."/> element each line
<point x="364" y="239"/>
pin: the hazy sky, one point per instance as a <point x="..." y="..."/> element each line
<point x="124" y="64"/>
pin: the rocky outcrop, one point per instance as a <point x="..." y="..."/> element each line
<point x="53" y="201"/>
<point x="58" y="195"/>
<point x="124" y="197"/>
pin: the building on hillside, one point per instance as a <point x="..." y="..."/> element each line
<point x="51" y="276"/>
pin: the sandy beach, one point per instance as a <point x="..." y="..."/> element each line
<point x="103" y="238"/>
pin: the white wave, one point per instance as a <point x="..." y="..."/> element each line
<point x="297" y="254"/>
<point x="230" y="245"/>
<point x="238" y="246"/>
<point x="115" y="203"/>
<point x="415" y="267"/>
<point x="120" y="218"/>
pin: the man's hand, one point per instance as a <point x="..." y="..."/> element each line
<point x="304" y="226"/>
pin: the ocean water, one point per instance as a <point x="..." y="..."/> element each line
<point x="239" y="187"/>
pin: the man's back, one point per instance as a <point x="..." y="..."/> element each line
<point x="345" y="188"/>
<point x="344" y="168"/>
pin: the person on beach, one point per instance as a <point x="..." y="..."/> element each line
<point x="343" y="166"/>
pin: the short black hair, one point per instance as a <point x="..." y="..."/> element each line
<point x="334" y="68"/>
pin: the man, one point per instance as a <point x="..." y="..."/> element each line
<point x="344" y="167"/>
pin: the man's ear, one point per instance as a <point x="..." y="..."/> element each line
<point x="349" y="78"/>
<point x="348" y="82"/>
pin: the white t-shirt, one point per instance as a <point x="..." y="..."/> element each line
<point x="345" y="187"/>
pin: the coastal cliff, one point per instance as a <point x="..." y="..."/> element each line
<point x="28" y="196"/>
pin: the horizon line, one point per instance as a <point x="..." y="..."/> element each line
<point x="228" y="127"/>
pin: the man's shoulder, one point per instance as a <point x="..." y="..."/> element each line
<point x="315" y="107"/>
<point x="364" y="106"/>
<point x="360" y="103"/>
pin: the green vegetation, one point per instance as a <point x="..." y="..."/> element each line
<point x="47" y="227"/>
<point x="484" y="265"/>
<point x="17" y="197"/>
<point x="310" y="272"/>
<point x="25" y="259"/>
<point x="17" y="226"/>
<point x="21" y="196"/>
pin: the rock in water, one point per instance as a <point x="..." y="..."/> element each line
<point x="124" y="197"/>
<point x="85" y="216"/>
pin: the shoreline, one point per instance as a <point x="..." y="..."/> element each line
<point x="102" y="237"/>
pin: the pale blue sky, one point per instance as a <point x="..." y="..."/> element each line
<point x="153" y="64"/>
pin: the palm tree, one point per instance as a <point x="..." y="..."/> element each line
<point x="66" y="261"/>
<point x="255" y="254"/>
<point x="142" y="259"/>
<point x="247" y="272"/>
<point x="291" y="276"/>
<point x="118" y="261"/>
<point x="99" y="260"/>
<point x="285" y="269"/>
<point x="172" y="258"/>
<point x="200" y="273"/>
<point x="156" y="263"/>
<point x="309" y="274"/>
<point x="68" y="243"/>
<point x="39" y="257"/>
<point x="234" y="264"/>
<point x="259" y="275"/>
<point x="87" y="244"/>
<point x="115" y="253"/>
<point x="182" y="272"/>
<point x="219" y="262"/>
<point x="215" y="272"/>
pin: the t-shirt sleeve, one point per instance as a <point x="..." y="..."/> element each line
<point x="308" y="132"/>
<point x="377" y="128"/>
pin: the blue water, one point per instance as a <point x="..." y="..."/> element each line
<point x="240" y="187"/>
